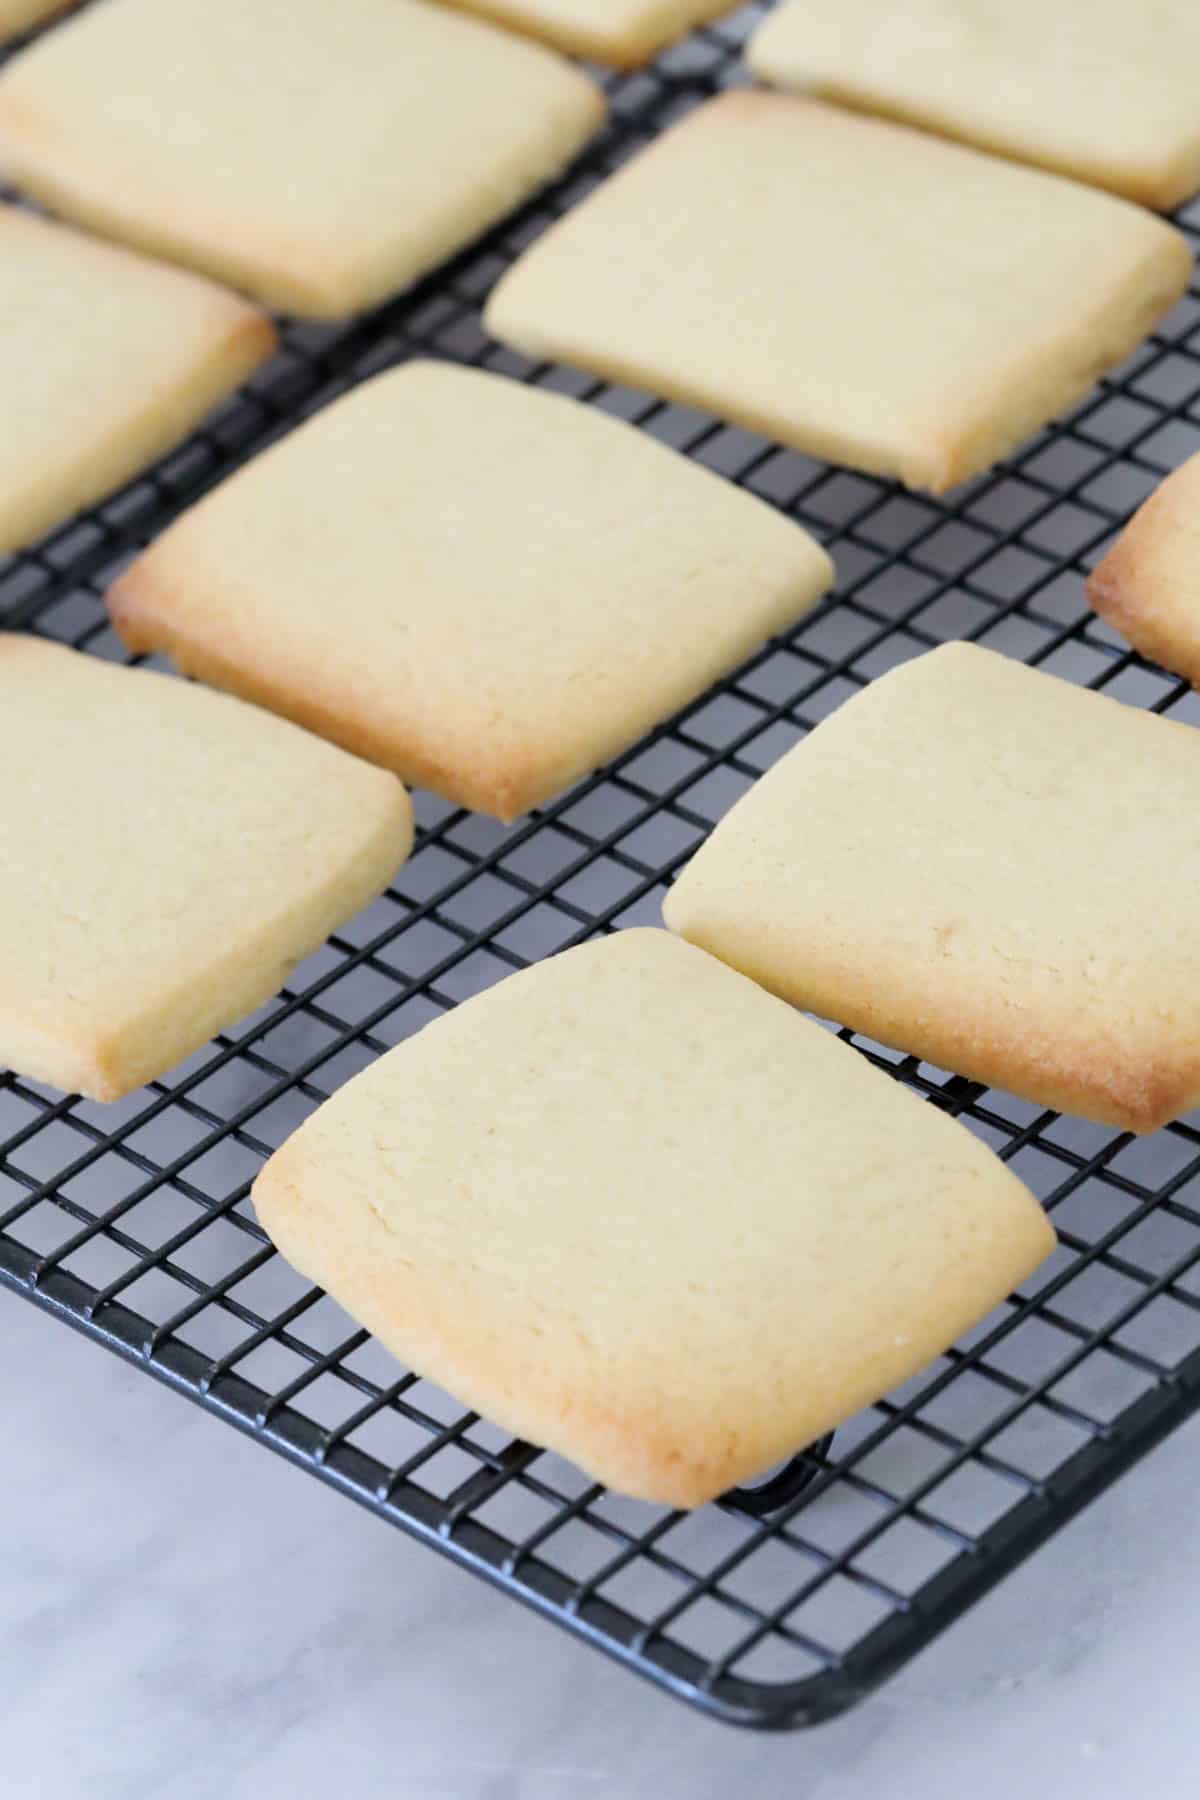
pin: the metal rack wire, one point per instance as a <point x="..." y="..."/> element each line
<point x="132" y="1222"/>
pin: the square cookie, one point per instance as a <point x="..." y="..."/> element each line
<point x="1148" y="585"/>
<point x="107" y="360"/>
<point x="170" y="855"/>
<point x="319" y="156"/>
<point x="624" y="33"/>
<point x="985" y="866"/>
<point x="489" y="589"/>
<point x="849" y="287"/>
<point x="1099" y="89"/>
<point x="631" y="1208"/>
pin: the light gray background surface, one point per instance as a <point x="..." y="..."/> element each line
<point x="183" y="1616"/>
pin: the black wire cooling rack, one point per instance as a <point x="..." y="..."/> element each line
<point x="132" y="1223"/>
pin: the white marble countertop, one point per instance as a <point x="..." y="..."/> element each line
<point x="182" y="1615"/>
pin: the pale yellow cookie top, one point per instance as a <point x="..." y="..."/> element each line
<point x="853" y="288"/>
<point x="984" y="865"/>
<point x="106" y="359"/>
<point x="169" y="855"/>
<point x="488" y="588"/>
<point x="1104" y="90"/>
<point x="630" y="1207"/>
<point x="320" y="156"/>
<point x="622" y="32"/>
<point x="1148" y="585"/>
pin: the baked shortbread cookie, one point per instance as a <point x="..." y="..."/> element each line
<point x="676" y="1236"/>
<point x="169" y="856"/>
<point x="847" y="286"/>
<point x="106" y="361"/>
<point x="489" y="589"/>
<point x="21" y="15"/>
<point x="967" y="862"/>
<point x="1099" y="89"/>
<point x="624" y="33"/>
<point x="319" y="156"/>
<point x="1148" y="585"/>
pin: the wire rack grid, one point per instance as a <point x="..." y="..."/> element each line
<point x="132" y="1222"/>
